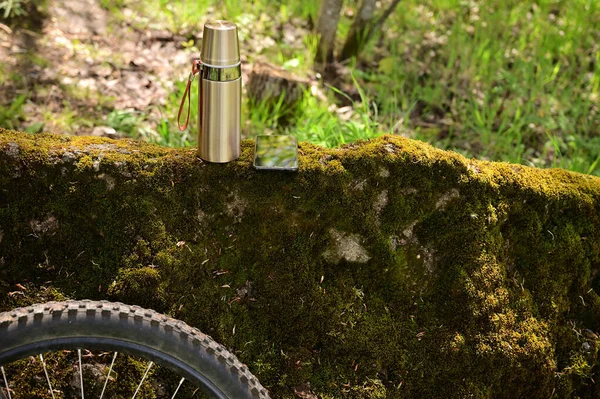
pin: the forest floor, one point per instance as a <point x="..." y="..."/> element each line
<point x="81" y="68"/>
<point x="77" y="66"/>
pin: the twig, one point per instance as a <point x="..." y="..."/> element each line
<point x="6" y="29"/>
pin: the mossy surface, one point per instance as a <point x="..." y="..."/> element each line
<point x="381" y="269"/>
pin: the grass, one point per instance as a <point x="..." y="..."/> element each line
<point x="321" y="126"/>
<point x="510" y="81"/>
<point x="505" y="80"/>
<point x="184" y="17"/>
<point x="158" y="14"/>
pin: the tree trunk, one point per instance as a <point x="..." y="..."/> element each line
<point x="363" y="28"/>
<point x="359" y="30"/>
<point x="329" y="16"/>
<point x="279" y="91"/>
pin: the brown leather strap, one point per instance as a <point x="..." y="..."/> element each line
<point x="195" y="70"/>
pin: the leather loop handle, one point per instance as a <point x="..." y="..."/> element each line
<point x="196" y="66"/>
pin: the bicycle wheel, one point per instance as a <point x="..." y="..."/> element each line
<point x="62" y="327"/>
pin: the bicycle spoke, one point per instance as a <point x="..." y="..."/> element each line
<point x="147" y="346"/>
<point x="178" y="386"/>
<point x="108" y="375"/>
<point x="80" y="374"/>
<point x="46" y="373"/>
<point x="143" y="378"/>
<point x="6" y="383"/>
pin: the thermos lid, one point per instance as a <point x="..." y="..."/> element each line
<point x="220" y="46"/>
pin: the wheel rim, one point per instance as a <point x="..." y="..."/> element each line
<point x="113" y="345"/>
<point x="101" y="325"/>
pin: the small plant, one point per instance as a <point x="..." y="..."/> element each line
<point x="167" y="135"/>
<point x="11" y="115"/>
<point x="125" y="121"/>
<point x="307" y="9"/>
<point x="13" y="8"/>
<point x="265" y="114"/>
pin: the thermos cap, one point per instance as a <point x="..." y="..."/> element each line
<point x="220" y="46"/>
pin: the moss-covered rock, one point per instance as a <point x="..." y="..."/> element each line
<point x="385" y="268"/>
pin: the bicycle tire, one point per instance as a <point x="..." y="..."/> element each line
<point x="101" y="325"/>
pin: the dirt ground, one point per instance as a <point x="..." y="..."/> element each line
<point x="77" y="62"/>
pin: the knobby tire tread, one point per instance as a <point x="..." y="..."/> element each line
<point x="129" y="324"/>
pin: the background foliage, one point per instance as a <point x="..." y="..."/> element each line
<point x="506" y="80"/>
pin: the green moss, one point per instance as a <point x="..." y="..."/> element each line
<point x="141" y="286"/>
<point x="385" y="268"/>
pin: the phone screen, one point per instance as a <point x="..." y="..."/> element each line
<point x="276" y="152"/>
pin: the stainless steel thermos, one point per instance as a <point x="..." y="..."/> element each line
<point x="219" y="93"/>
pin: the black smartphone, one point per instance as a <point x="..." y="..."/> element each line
<point x="276" y="152"/>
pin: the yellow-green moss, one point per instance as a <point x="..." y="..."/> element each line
<point x="474" y="279"/>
